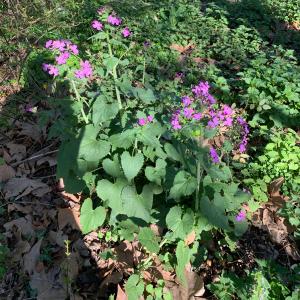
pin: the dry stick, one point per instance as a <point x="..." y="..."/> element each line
<point x="33" y="157"/>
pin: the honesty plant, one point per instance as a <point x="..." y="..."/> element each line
<point x="126" y="151"/>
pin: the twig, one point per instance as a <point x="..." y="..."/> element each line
<point x="33" y="157"/>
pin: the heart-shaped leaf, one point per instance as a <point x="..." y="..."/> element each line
<point x="90" y="218"/>
<point x="131" y="164"/>
<point x="112" y="167"/>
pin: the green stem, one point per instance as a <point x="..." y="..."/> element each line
<point x="85" y="118"/>
<point x="144" y="71"/>
<point x="114" y="73"/>
<point x="198" y="185"/>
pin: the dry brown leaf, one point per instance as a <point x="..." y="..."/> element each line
<point x="121" y="294"/>
<point x="31" y="258"/>
<point x="6" y="172"/>
<point x="23" y="224"/>
<point x="69" y="216"/>
<point x="20" y="248"/>
<point x="18" y="207"/>
<point x="190" y="238"/>
<point x="52" y="161"/>
<point x="20" y="187"/>
<point x="195" y="287"/>
<point x="57" y="237"/>
<point x="182" y="49"/>
<point x="71" y="197"/>
<point x="114" y="278"/>
<point x="275" y="185"/>
<point x="49" y="285"/>
<point x="32" y="130"/>
<point x="17" y="151"/>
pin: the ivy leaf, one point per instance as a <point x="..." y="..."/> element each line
<point x="134" y="289"/>
<point x="180" y="225"/>
<point x="184" y="185"/>
<point x="131" y="164"/>
<point x="103" y="111"/>
<point x="90" y="218"/>
<point x="111" y="193"/>
<point x="183" y="258"/>
<point x="157" y="173"/>
<point x="149" y="240"/>
<point x="112" y="167"/>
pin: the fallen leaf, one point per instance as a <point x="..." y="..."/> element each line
<point x="32" y="130"/>
<point x="182" y="49"/>
<point x="20" y="187"/>
<point x="275" y="185"/>
<point x="69" y="216"/>
<point x="190" y="238"/>
<point x="17" y="151"/>
<point x="25" y="209"/>
<point x="6" y="172"/>
<point x="121" y="294"/>
<point x="24" y="225"/>
<point x="57" y="238"/>
<point x="31" y="258"/>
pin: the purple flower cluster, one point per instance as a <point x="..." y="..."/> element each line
<point x="85" y="71"/>
<point x="113" y="20"/>
<point x="145" y="121"/>
<point x="214" y="155"/>
<point x="202" y="107"/>
<point x="245" y="133"/>
<point x="222" y="117"/>
<point x="97" y="25"/>
<point x="202" y="91"/>
<point x="64" y="48"/>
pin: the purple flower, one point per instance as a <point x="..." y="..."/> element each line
<point x="45" y="67"/>
<point x="150" y="118"/>
<point x="214" y="122"/>
<point x="188" y="112"/>
<point x="179" y="76"/>
<point x="126" y="32"/>
<point x="60" y="45"/>
<point x="74" y="49"/>
<point x="241" y="216"/>
<point x="97" y="25"/>
<point x="62" y="58"/>
<point x="147" y="44"/>
<point x="214" y="155"/>
<point x="197" y="116"/>
<point x="186" y="100"/>
<point x="227" y="110"/>
<point x="53" y="70"/>
<point x="228" y="122"/>
<point x="48" y="44"/>
<point x="175" y="124"/>
<point x="85" y="71"/>
<point x="29" y="108"/>
<point x="114" y="20"/>
<point x="142" y="122"/>
<point x="201" y="89"/>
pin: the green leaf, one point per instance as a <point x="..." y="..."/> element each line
<point x="112" y="167"/>
<point x="183" y="258"/>
<point x="172" y="152"/>
<point x="110" y="63"/>
<point x="146" y="95"/>
<point x="148" y="239"/>
<point x="131" y="164"/>
<point x="134" y="289"/>
<point x="90" y="218"/>
<point x="213" y="213"/>
<point x="158" y="173"/>
<point x="184" y="185"/>
<point x="124" y="139"/>
<point x="138" y="205"/>
<point x="180" y="225"/>
<point x="111" y="193"/>
<point x="103" y="111"/>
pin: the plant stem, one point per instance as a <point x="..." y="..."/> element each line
<point x="144" y="71"/>
<point x="86" y="120"/>
<point x="114" y="73"/>
<point x="198" y="185"/>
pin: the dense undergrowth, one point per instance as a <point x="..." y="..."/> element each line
<point x="175" y="114"/>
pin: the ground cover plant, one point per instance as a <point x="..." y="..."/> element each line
<point x="176" y="129"/>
